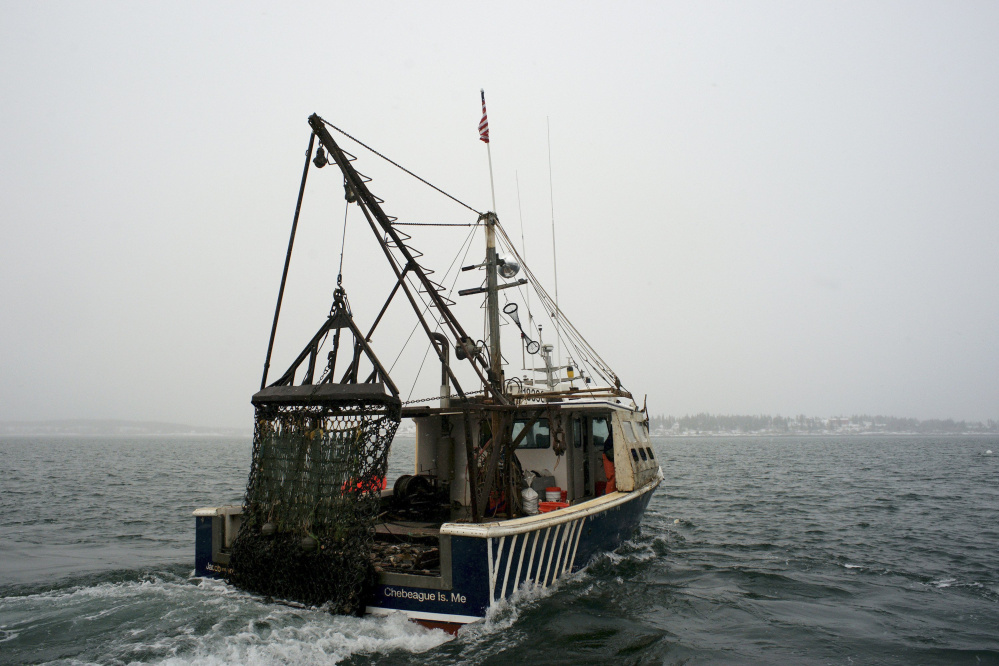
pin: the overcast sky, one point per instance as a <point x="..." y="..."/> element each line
<point x="760" y="207"/>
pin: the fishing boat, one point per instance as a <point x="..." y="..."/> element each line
<point x="522" y="475"/>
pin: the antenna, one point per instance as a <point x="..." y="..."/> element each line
<point x="523" y="249"/>
<point x="551" y="197"/>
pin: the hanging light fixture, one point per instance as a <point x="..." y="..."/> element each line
<point x="320" y="160"/>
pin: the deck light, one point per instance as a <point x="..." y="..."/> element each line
<point x="508" y="267"/>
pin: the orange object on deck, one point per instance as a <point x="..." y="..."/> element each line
<point x="609" y="473"/>
<point x="545" y="507"/>
<point x="380" y="484"/>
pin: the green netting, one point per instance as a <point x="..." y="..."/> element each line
<point x="311" y="501"/>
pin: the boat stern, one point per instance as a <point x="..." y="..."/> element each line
<point x="215" y="528"/>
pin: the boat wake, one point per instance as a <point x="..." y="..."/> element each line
<point x="175" y="619"/>
<point x="172" y="617"/>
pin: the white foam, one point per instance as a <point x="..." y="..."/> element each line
<point x="245" y="630"/>
<point x="321" y="639"/>
<point x="504" y="614"/>
<point x="945" y="582"/>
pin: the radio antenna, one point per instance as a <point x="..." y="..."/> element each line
<point x="551" y="197"/>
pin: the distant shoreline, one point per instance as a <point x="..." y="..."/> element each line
<point x="778" y="426"/>
<point x="840" y="435"/>
<point x="113" y="428"/>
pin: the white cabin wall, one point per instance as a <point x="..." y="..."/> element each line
<point x="631" y="473"/>
<point x="447" y="461"/>
<point x="648" y="468"/>
<point x="624" y="472"/>
<point x="428" y="432"/>
<point x="542" y="459"/>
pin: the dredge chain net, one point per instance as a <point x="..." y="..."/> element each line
<point x="311" y="502"/>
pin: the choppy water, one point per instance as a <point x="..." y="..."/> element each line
<point x="754" y="550"/>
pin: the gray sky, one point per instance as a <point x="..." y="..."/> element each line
<point x="760" y="207"/>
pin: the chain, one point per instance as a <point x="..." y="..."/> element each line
<point x="437" y="397"/>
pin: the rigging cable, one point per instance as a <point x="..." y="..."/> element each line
<point x="396" y="164"/>
<point x="558" y="333"/>
<point x="434" y="224"/>
<point x="438" y="328"/>
<point x="599" y="365"/>
<point x="579" y="346"/>
<point x="426" y="306"/>
<point x="343" y="242"/>
<point x="339" y="284"/>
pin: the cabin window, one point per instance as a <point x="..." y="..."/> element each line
<point x="641" y="452"/>
<point x="600" y="432"/>
<point x="634" y="454"/>
<point x="651" y="454"/>
<point x="629" y="432"/>
<point x="577" y="433"/>
<point x="539" y="437"/>
<point x="643" y="432"/>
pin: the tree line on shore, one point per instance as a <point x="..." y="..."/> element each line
<point x="705" y="422"/>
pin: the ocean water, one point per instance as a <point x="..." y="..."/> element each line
<point x="853" y="550"/>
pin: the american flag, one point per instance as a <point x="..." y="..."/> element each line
<point x="484" y="124"/>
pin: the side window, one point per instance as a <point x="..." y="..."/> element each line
<point x="629" y="432"/>
<point x="643" y="432"/>
<point x="577" y="432"/>
<point x="539" y="436"/>
<point x="600" y="432"/>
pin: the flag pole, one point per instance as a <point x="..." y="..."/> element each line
<point x="492" y="187"/>
<point x="492" y="301"/>
<point x="484" y="136"/>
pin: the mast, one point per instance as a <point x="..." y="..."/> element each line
<point x="492" y="301"/>
<point x="492" y="264"/>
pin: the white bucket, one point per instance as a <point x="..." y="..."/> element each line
<point x="530" y="501"/>
<point x="553" y="494"/>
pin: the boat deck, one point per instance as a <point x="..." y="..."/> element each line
<point x="409" y="547"/>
